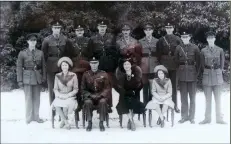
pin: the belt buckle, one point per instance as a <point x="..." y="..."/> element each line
<point x="212" y="67"/>
<point x="35" y="67"/>
<point x="186" y="63"/>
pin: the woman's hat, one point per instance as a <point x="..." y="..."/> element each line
<point x="160" y="67"/>
<point x="66" y="59"/>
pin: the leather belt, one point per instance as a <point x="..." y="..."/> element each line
<point x="30" y="68"/>
<point x="212" y="67"/>
<point x="187" y="63"/>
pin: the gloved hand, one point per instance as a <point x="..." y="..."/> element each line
<point x="20" y="84"/>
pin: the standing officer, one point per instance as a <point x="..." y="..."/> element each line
<point x="96" y="93"/>
<point x="102" y="46"/>
<point x="212" y="63"/>
<point x="54" y="47"/>
<point x="128" y="46"/>
<point x="149" y="59"/>
<point x="166" y="47"/>
<point x="30" y="75"/>
<point x="80" y="59"/>
<point x="187" y="56"/>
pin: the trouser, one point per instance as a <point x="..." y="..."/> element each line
<point x="50" y="83"/>
<point x="185" y="89"/>
<point x="32" y="101"/>
<point x="101" y="105"/>
<point x="217" y="96"/>
<point x="146" y="88"/>
<point x="173" y="77"/>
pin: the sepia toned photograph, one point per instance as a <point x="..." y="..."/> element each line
<point x="115" y="71"/>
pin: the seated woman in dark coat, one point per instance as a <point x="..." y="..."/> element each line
<point x="129" y="83"/>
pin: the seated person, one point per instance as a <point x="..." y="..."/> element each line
<point x="65" y="89"/>
<point x="129" y="79"/>
<point x="95" y="91"/>
<point x="161" y="93"/>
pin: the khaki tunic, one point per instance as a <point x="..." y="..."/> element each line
<point x="149" y="58"/>
<point x="212" y="57"/>
<point x="26" y="65"/>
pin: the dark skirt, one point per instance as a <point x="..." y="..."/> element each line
<point x="130" y="101"/>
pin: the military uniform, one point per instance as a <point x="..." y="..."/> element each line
<point x="212" y="62"/>
<point x="166" y="47"/>
<point x="53" y="49"/>
<point x="188" y="61"/>
<point x="96" y="94"/>
<point x="31" y="73"/>
<point x="148" y="63"/>
<point x="80" y="59"/>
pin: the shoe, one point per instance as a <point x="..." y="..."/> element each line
<point x="62" y="124"/>
<point x="182" y="120"/>
<point x="28" y="121"/>
<point x="158" y="121"/>
<point x="89" y="127"/>
<point x="177" y="110"/>
<point x="101" y="126"/>
<point x="205" y="122"/>
<point x="39" y="120"/>
<point x="129" y="125"/>
<point x="221" y="122"/>
<point x="192" y="121"/>
<point x="68" y="126"/>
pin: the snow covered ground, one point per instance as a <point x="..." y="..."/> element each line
<point x="14" y="129"/>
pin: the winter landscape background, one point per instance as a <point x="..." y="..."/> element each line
<point x="15" y="130"/>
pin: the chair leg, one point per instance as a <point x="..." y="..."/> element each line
<point x="107" y="120"/>
<point x="121" y="121"/>
<point x="144" y="119"/>
<point x="53" y="118"/>
<point x="76" y="119"/>
<point x="150" y="118"/>
<point x="172" y="114"/>
<point x="83" y="117"/>
<point x="139" y="117"/>
<point x="167" y="114"/>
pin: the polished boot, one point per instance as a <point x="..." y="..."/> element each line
<point x="192" y="121"/>
<point x="183" y="120"/>
<point x="221" y="122"/>
<point x="89" y="127"/>
<point x="205" y="121"/>
<point x="39" y="120"/>
<point x="101" y="126"/>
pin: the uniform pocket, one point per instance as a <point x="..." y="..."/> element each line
<point x="26" y="76"/>
<point x="219" y="76"/>
<point x="205" y="80"/>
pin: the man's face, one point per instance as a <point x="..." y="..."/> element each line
<point x="56" y="30"/>
<point x="126" y="32"/>
<point x="169" y="30"/>
<point x="79" y="32"/>
<point x="32" y="42"/>
<point x="102" y="29"/>
<point x="148" y="31"/>
<point x="211" y="40"/>
<point x="94" y="65"/>
<point x="185" y="39"/>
